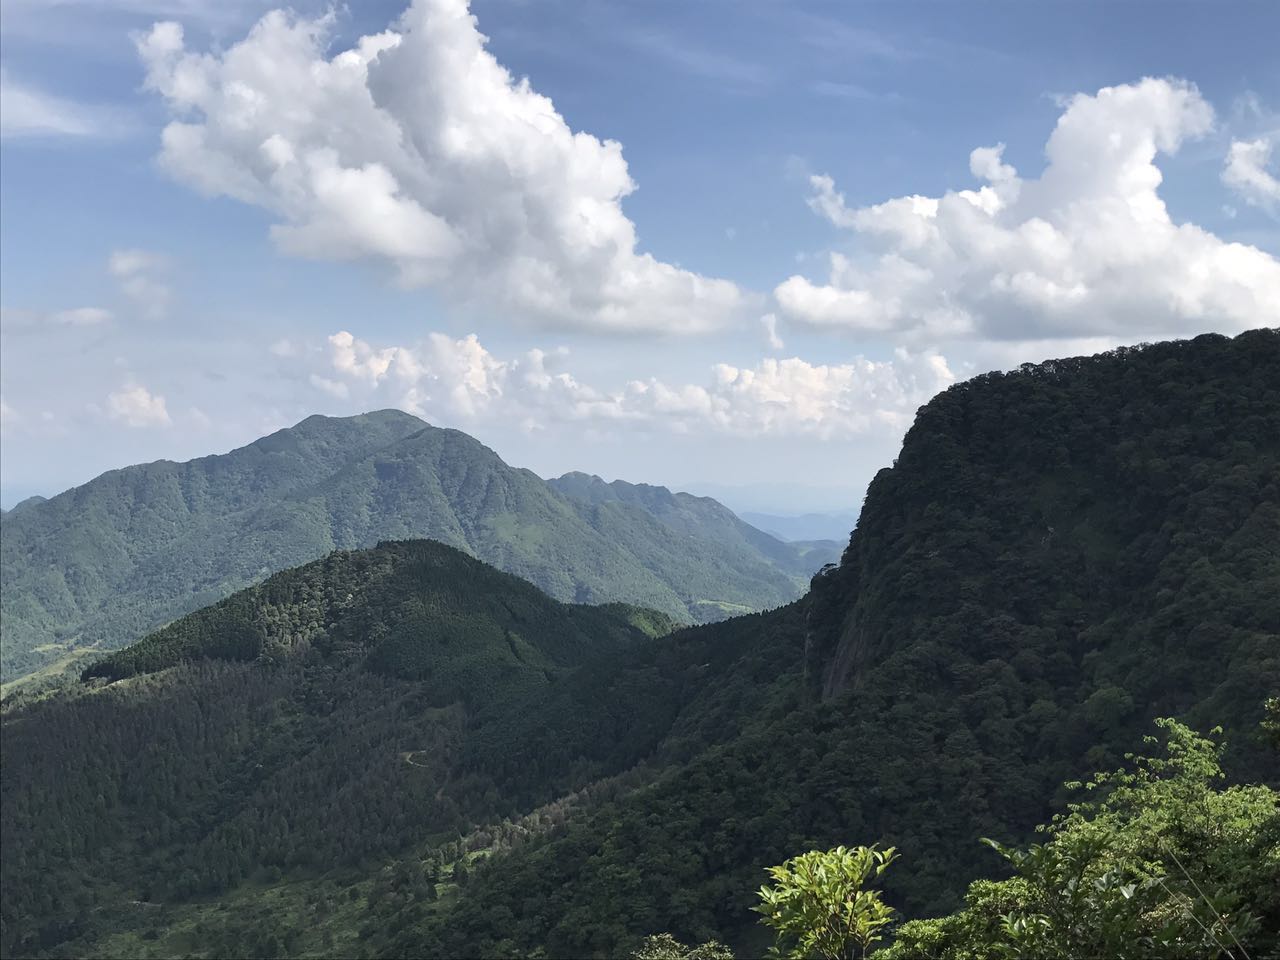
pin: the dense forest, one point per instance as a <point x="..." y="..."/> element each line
<point x="100" y="565"/>
<point x="401" y="752"/>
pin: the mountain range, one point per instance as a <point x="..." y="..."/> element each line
<point x="100" y="565"/>
<point x="399" y="751"/>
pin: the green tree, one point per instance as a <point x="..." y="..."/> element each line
<point x="819" y="905"/>
<point x="1271" y="721"/>
<point x="1159" y="862"/>
<point x="663" y="946"/>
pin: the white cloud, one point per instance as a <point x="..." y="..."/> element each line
<point x="8" y="416"/>
<point x="450" y="380"/>
<point x="1246" y="172"/>
<point x="136" y="406"/>
<point x="417" y="148"/>
<point x="26" y="111"/>
<point x="136" y="272"/>
<point x="1087" y="249"/>
<point x="335" y="388"/>
<point x="770" y="323"/>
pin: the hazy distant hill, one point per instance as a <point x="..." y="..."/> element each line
<point x="701" y="518"/>
<point x="805" y="526"/>
<point x="101" y="564"/>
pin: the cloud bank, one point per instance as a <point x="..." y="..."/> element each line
<point x="1087" y="249"/>
<point x="459" y="380"/>
<point x="417" y="148"/>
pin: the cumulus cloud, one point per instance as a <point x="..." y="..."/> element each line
<point x="417" y="148"/>
<point x="1246" y="172"/>
<point x="450" y="380"/>
<point x="136" y="406"/>
<point x="137" y="272"/>
<point x="1087" y="249"/>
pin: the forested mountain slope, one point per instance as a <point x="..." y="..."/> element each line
<point x="1059" y="555"/>
<point x="698" y="518"/>
<point x="260" y="730"/>
<point x="413" y="609"/>
<point x="100" y="565"/>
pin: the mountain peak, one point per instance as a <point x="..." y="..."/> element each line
<point x="387" y="417"/>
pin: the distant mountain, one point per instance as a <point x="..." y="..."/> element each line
<point x="102" y="564"/>
<point x="24" y="504"/>
<point x="804" y="527"/>
<point x="699" y="518"/>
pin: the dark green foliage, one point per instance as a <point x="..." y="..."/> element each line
<point x="1015" y="606"/>
<point x="105" y="563"/>
<point x="1156" y="861"/>
<point x="1010" y="613"/>
<point x="663" y="946"/>
<point x="417" y="610"/>
<point x="342" y="741"/>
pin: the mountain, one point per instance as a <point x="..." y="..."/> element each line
<point x="416" y="609"/>
<point x="355" y="681"/>
<point x="803" y="527"/>
<point x="99" y="565"/>
<point x="698" y="518"/>
<point x="1059" y="555"/>
<point x="24" y="504"/>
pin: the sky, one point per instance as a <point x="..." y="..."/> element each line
<point x="728" y="247"/>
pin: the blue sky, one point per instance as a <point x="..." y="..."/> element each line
<point x="578" y="271"/>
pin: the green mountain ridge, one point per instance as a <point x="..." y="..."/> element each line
<point x="700" y="517"/>
<point x="416" y="610"/>
<point x="102" y="564"/>
<point x="1059" y="555"/>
